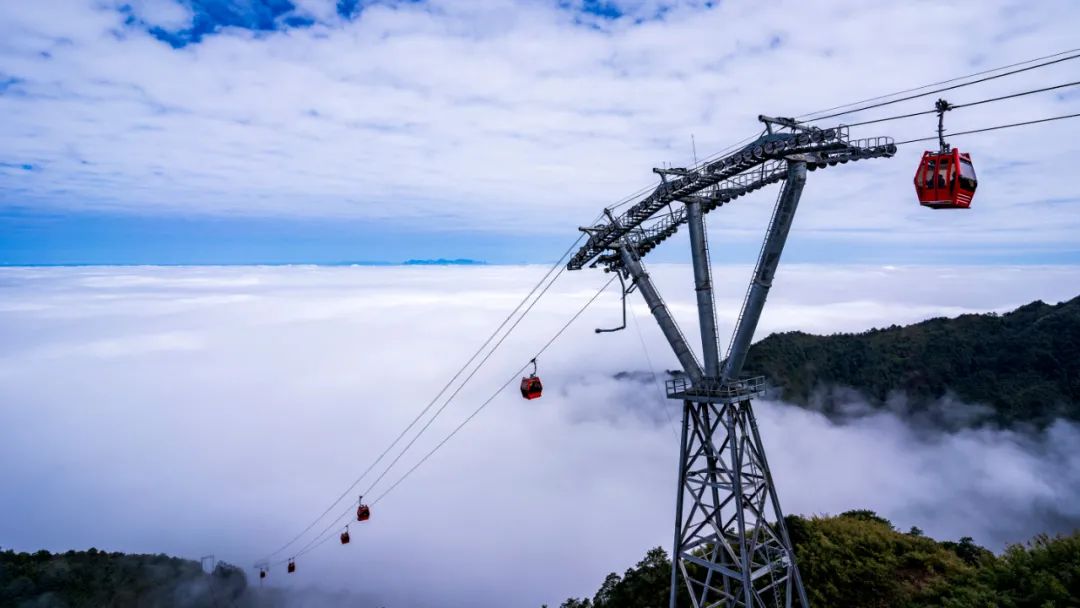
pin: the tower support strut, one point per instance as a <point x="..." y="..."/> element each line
<point x="768" y="260"/>
<point x="663" y="316"/>
<point x="699" y="251"/>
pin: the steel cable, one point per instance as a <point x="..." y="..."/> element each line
<point x="322" y="538"/>
<point x="1008" y="126"/>
<point x="336" y="521"/>
<point x="934" y="84"/>
<point x="943" y="89"/>
<point x="448" y="400"/>
<point x="499" y="390"/>
<point x="967" y="105"/>
<point x="462" y="385"/>
<point x="439" y="394"/>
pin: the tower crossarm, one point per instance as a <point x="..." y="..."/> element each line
<point x="762" y="162"/>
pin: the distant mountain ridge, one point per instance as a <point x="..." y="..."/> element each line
<point x="1024" y="365"/>
<point x="445" y="262"/>
<point x="412" y="262"/>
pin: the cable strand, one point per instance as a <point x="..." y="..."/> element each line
<point x="430" y="404"/>
<point x="316" y="542"/>
<point x="983" y="130"/>
<point x="934" y="84"/>
<point x="942" y="90"/>
<point x="500" y="389"/>
<point x="967" y="105"/>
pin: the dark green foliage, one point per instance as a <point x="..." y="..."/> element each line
<point x="1024" y="365"/>
<point x="857" y="560"/>
<point x="867" y="515"/>
<point x="646" y="584"/>
<point x="1045" y="573"/>
<point x="97" y="578"/>
<point x="967" y="550"/>
<point x="860" y="561"/>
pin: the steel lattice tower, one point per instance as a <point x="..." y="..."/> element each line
<point x="731" y="546"/>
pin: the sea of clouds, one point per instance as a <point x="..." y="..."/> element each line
<point x="218" y="410"/>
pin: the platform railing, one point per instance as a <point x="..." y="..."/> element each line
<point x="682" y="387"/>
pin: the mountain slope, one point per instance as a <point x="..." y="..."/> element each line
<point x="1024" y="365"/>
<point x="858" y="560"/>
<point x="99" y="578"/>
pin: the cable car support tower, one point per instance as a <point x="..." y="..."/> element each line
<point x="731" y="546"/>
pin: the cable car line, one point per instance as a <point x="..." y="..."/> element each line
<point x="499" y="390"/>
<point x="447" y="403"/>
<point x="315" y="543"/>
<point x="1055" y="57"/>
<point x="561" y="269"/>
<point x="335" y="522"/>
<point x="322" y="538"/>
<point x="1013" y="95"/>
<point x="943" y="89"/>
<point x="941" y="82"/>
<point x="462" y="385"/>
<point x="966" y="105"/>
<point x="1008" y="126"/>
<point x="442" y="391"/>
<point x="292" y="560"/>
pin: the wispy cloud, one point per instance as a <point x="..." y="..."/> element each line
<point x="506" y="117"/>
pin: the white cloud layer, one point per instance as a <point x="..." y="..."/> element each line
<point x="502" y="116"/>
<point x="216" y="410"/>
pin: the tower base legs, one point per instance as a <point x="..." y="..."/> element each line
<point x="731" y="545"/>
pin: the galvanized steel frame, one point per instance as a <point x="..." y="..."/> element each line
<point x="731" y="545"/>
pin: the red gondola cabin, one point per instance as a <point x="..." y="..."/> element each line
<point x="945" y="180"/>
<point x="531" y="388"/>
<point x="345" y="536"/>
<point x="363" y="513"/>
<point x="292" y="566"/>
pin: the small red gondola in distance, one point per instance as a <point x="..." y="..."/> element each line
<point x="292" y="566"/>
<point x="946" y="178"/>
<point x="531" y="387"/>
<point x="345" y="536"/>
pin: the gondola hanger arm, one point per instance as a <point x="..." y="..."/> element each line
<point x="623" y="292"/>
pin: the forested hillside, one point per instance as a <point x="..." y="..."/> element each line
<point x="98" y="578"/>
<point x="857" y="560"/>
<point x="1024" y="365"/>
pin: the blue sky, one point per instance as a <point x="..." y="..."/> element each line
<point x="277" y="131"/>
